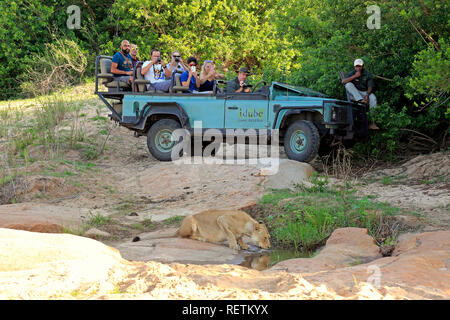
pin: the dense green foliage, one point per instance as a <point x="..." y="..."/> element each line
<point x="301" y="42"/>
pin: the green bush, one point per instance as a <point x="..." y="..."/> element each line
<point x="305" y="218"/>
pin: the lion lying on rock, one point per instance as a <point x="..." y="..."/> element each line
<point x="220" y="225"/>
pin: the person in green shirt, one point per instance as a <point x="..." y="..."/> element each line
<point x="239" y="83"/>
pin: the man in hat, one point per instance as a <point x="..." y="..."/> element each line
<point x="239" y="83"/>
<point x="359" y="83"/>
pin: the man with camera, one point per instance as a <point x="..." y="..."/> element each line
<point x="176" y="64"/>
<point x="239" y="84"/>
<point x="155" y="71"/>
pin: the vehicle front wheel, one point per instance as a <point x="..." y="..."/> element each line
<point x="301" y="141"/>
<point x="160" y="139"/>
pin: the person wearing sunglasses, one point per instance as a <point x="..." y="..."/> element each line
<point x="208" y="75"/>
<point x="155" y="70"/>
<point x="176" y="64"/>
<point x="133" y="54"/>
<point x="189" y="78"/>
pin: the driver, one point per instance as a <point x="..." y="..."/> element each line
<point x="239" y="83"/>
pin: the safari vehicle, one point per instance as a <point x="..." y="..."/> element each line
<point x="306" y="120"/>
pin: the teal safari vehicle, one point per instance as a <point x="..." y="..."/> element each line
<point x="305" y="120"/>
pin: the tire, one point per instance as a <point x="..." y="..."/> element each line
<point x="159" y="139"/>
<point x="301" y="141"/>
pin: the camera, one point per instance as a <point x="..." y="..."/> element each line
<point x="159" y="59"/>
<point x="177" y="59"/>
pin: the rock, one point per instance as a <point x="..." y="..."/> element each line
<point x="96" y="233"/>
<point x="345" y="247"/>
<point x="38" y="227"/>
<point x="211" y="186"/>
<point x="288" y="174"/>
<point x="63" y="266"/>
<point x="40" y="217"/>
<point x="38" y="264"/>
<point x="163" y="246"/>
<point x="417" y="269"/>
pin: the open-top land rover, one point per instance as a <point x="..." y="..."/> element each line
<point x="305" y="120"/>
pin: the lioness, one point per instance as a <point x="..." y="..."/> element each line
<point x="220" y="225"/>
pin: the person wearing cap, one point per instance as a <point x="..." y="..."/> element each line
<point x="359" y="83"/>
<point x="239" y="84"/>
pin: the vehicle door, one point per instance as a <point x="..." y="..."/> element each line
<point x="246" y="110"/>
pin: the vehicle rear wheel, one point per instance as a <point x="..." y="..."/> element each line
<point x="301" y="141"/>
<point x="160" y="140"/>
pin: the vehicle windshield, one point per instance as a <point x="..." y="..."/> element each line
<point x="297" y="90"/>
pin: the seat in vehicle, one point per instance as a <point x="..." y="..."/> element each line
<point x="108" y="78"/>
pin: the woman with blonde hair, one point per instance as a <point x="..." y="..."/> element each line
<point x="208" y="75"/>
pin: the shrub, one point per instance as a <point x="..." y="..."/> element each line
<point x="62" y="64"/>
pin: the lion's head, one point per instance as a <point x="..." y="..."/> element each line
<point x="261" y="235"/>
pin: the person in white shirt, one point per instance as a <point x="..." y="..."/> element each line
<point x="155" y="71"/>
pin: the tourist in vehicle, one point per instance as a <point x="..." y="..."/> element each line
<point x="239" y="84"/>
<point x="176" y="64"/>
<point x="155" y="71"/>
<point x="189" y="78"/>
<point x="359" y="83"/>
<point x="208" y="75"/>
<point x="122" y="65"/>
<point x="133" y="54"/>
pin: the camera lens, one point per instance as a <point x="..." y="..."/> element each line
<point x="159" y="59"/>
<point x="177" y="59"/>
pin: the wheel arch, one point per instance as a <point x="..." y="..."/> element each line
<point x="158" y="111"/>
<point x="298" y="114"/>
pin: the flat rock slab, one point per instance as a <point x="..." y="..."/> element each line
<point x="287" y="174"/>
<point x="177" y="250"/>
<point x="171" y="189"/>
<point x="38" y="217"/>
<point x="345" y="247"/>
